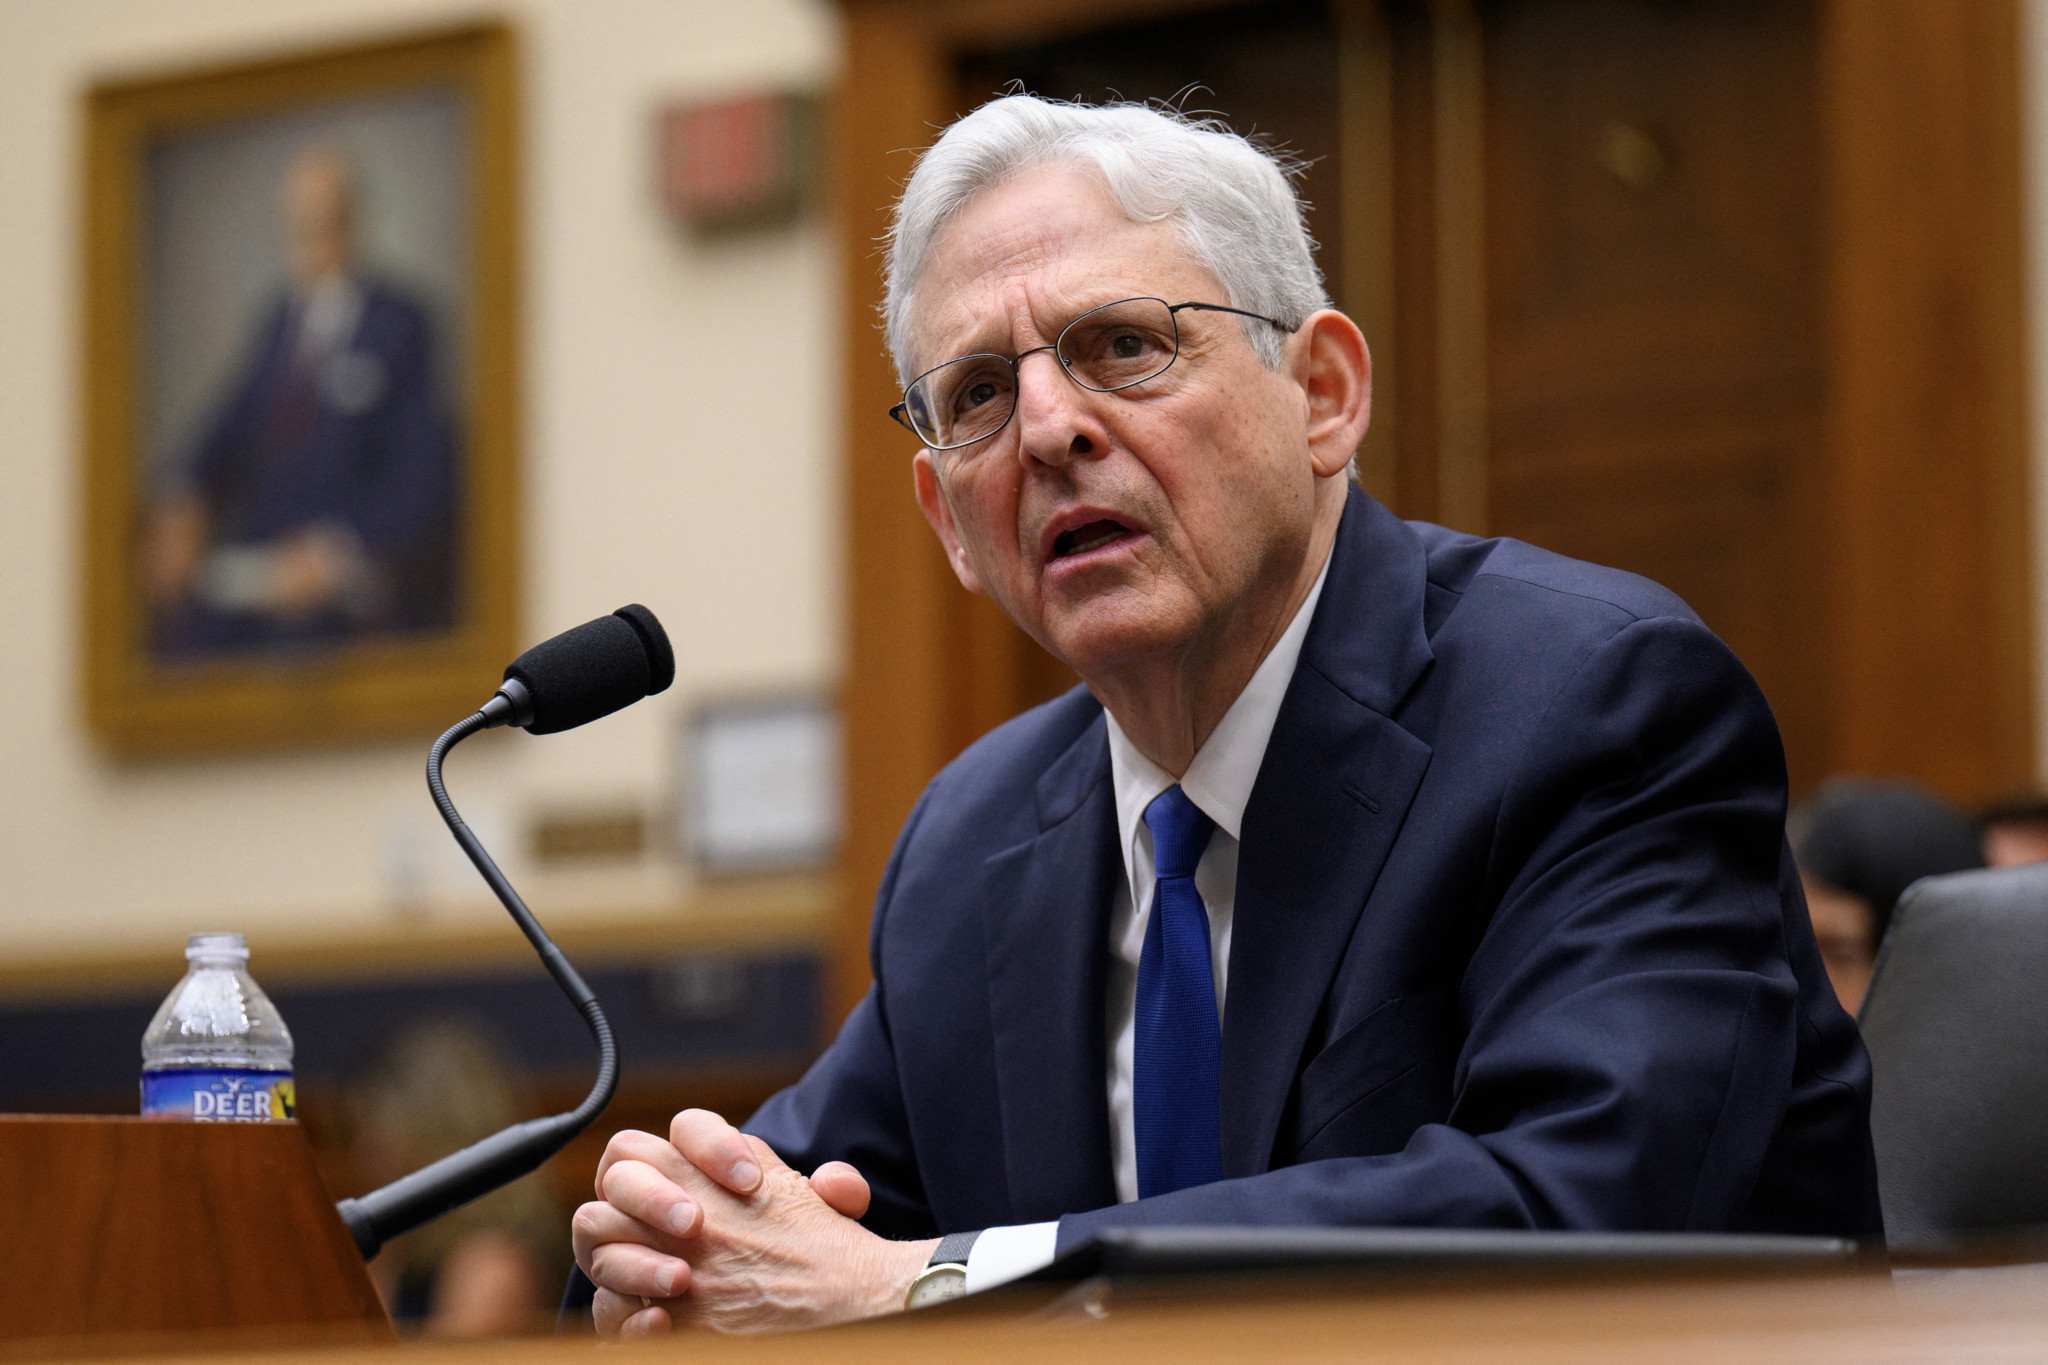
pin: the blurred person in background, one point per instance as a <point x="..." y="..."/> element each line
<point x="492" y="1267"/>
<point x="2015" y="830"/>
<point x="1860" y="842"/>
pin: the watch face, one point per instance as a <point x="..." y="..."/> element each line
<point x="937" y="1284"/>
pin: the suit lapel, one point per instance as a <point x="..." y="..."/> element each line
<point x="1335" y="784"/>
<point x="1047" y="902"/>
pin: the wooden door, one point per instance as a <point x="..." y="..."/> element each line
<point x="1724" y="292"/>
<point x="1654" y="314"/>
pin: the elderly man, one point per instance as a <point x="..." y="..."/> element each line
<point x="1379" y="875"/>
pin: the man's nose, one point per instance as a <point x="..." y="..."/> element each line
<point x="1056" y="422"/>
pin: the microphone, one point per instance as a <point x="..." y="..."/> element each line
<point x="574" y="678"/>
<point x="584" y="674"/>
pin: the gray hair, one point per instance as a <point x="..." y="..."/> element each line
<point x="1232" y="202"/>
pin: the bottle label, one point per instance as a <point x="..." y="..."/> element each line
<point x="218" y="1094"/>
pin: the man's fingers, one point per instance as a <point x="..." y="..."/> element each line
<point x="716" y="1148"/>
<point x="625" y="1315"/>
<point x="637" y="1271"/>
<point x="609" y="1311"/>
<point x="630" y="1144"/>
<point x="596" y="1223"/>
<point x="651" y="1321"/>
<point x="843" y="1189"/>
<point x="639" y="1191"/>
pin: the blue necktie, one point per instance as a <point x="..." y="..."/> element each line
<point x="1176" y="1054"/>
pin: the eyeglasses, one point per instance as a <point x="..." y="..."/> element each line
<point x="1117" y="346"/>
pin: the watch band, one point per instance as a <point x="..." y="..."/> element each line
<point x="953" y="1248"/>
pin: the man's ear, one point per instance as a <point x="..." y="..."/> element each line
<point x="931" y="496"/>
<point x="1334" y="369"/>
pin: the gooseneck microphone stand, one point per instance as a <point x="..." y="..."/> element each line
<point x="478" y="1169"/>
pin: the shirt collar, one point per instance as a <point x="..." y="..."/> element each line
<point x="1219" y="780"/>
<point x="328" y="314"/>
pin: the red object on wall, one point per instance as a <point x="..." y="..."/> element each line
<point x="737" y="162"/>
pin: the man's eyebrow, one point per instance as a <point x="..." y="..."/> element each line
<point x="1062" y="308"/>
<point x="981" y="339"/>
<point x="987" y="334"/>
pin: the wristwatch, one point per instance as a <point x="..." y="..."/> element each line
<point x="945" y="1275"/>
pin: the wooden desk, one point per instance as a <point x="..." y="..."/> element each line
<point x="1855" y="1320"/>
<point x="131" y="1229"/>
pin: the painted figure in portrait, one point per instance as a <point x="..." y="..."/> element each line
<point x="316" y="503"/>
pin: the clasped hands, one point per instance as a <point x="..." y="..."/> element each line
<point x="711" y="1228"/>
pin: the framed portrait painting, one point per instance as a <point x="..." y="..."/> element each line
<point x="300" y="341"/>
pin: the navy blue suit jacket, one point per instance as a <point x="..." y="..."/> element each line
<point x="1517" y="942"/>
<point x="369" y="446"/>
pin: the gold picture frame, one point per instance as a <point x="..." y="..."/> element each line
<point x="299" y="461"/>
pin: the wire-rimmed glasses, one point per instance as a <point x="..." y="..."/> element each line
<point x="1116" y="346"/>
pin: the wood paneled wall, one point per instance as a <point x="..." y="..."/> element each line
<point x="1927" y="358"/>
<point x="1917" y="542"/>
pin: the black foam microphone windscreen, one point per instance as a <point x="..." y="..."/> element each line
<point x="595" y="669"/>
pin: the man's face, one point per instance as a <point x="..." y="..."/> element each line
<point x="1109" y="526"/>
<point x="2012" y="843"/>
<point x="317" y="213"/>
<point x="1846" y="931"/>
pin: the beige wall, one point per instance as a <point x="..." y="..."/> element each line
<point x="642" y="480"/>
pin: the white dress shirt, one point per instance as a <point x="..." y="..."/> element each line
<point x="329" y="313"/>
<point x="1219" y="781"/>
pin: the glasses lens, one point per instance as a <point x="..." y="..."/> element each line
<point x="962" y="400"/>
<point x="1120" y="344"/>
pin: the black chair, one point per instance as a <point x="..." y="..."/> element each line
<point x="1957" y="1025"/>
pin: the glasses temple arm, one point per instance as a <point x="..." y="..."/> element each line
<point x="1225" y="308"/>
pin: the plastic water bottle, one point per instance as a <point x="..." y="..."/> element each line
<point x="217" y="1049"/>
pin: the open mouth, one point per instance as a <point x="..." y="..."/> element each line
<point x="1089" y="536"/>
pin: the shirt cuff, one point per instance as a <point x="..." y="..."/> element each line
<point x="1001" y="1255"/>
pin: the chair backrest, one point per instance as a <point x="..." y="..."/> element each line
<point x="1957" y="1025"/>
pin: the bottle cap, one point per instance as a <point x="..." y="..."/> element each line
<point x="216" y="945"/>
